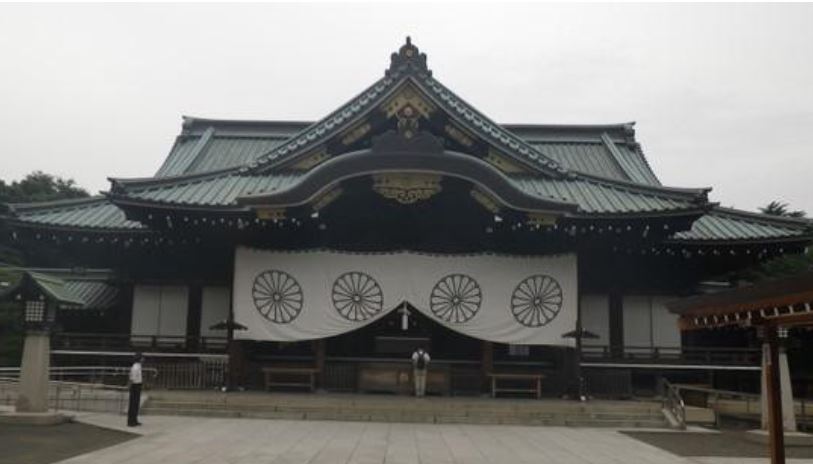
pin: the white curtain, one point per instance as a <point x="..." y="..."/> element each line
<point x="289" y="296"/>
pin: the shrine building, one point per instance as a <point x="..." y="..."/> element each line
<point x="404" y="218"/>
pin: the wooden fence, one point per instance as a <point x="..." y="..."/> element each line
<point x="199" y="374"/>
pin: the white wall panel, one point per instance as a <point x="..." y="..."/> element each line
<point x="146" y="310"/>
<point x="595" y="312"/>
<point x="665" y="330"/>
<point x="174" y="308"/>
<point x="159" y="310"/>
<point x="648" y="323"/>
<point x="637" y="321"/>
<point x="214" y="308"/>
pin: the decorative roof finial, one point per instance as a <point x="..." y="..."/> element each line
<point x="408" y="59"/>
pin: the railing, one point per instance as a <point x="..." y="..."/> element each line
<point x="739" y="404"/>
<point x="166" y="373"/>
<point x="72" y="396"/>
<point x="209" y="372"/>
<point x="136" y="342"/>
<point x="92" y="375"/>
<point x="677" y="355"/>
<point x="673" y="402"/>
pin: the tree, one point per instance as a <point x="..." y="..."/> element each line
<point x="777" y="208"/>
<point x="783" y="266"/>
<point x="11" y="326"/>
<point x="39" y="186"/>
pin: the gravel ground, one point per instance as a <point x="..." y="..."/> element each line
<point x="725" y="444"/>
<point x="30" y="444"/>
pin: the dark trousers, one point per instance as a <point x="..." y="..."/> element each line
<point x="135" y="402"/>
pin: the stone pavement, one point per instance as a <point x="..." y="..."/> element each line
<point x="186" y="440"/>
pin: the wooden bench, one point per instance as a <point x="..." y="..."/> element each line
<point x="534" y="379"/>
<point x="308" y="373"/>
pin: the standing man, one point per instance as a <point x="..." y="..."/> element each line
<point x="420" y="362"/>
<point x="135" y="391"/>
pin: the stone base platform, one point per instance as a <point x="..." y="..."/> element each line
<point x="791" y="438"/>
<point x="394" y="408"/>
<point x="34" y="418"/>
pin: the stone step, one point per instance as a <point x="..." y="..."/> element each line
<point x="391" y="408"/>
<point x="413" y="406"/>
<point x="396" y="411"/>
<point x="433" y="404"/>
<point x="406" y="416"/>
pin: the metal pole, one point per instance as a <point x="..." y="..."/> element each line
<point x="775" y="429"/>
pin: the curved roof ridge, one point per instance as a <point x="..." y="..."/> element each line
<point x="699" y="192"/>
<point x="587" y="126"/>
<point x="190" y="122"/>
<point x="136" y="182"/>
<point x="769" y="218"/>
<point x="640" y="152"/>
<point x="30" y="206"/>
<point x="407" y="65"/>
<point x="328" y="124"/>
<point x="495" y="130"/>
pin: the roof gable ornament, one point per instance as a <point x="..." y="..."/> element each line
<point x="408" y="59"/>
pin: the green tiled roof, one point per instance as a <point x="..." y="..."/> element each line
<point x="94" y="294"/>
<point x="237" y="143"/>
<point x="56" y="289"/>
<point x="197" y="154"/>
<point x="87" y="213"/>
<point x="72" y="290"/>
<point x="600" y="168"/>
<point x="596" y="197"/>
<point x="51" y="287"/>
<point x="408" y="66"/>
<point x="719" y="225"/>
<point x="591" y="158"/>
<point x="213" y="191"/>
<point x="723" y="224"/>
<point x="592" y="195"/>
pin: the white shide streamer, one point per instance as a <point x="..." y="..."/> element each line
<point x="292" y="296"/>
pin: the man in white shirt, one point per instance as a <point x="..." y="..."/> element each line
<point x="420" y="363"/>
<point x="135" y="391"/>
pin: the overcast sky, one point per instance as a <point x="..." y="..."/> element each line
<point x="722" y="94"/>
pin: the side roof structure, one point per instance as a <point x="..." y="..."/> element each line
<point x="625" y="186"/>
<point x="600" y="169"/>
<point x="609" y="150"/>
<point x="72" y="288"/>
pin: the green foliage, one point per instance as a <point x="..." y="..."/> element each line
<point x="777" y="208"/>
<point x="783" y="266"/>
<point x="39" y="186"/>
<point x="11" y="334"/>
<point x="11" y="327"/>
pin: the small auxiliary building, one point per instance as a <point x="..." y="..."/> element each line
<point x="406" y="217"/>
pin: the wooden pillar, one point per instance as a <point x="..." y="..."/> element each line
<point x="487" y="363"/>
<point x="775" y="429"/>
<point x="319" y="354"/>
<point x="193" y="315"/>
<point x="616" y="303"/>
<point x="236" y="373"/>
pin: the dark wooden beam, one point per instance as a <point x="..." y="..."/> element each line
<point x="319" y="354"/>
<point x="775" y="428"/>
<point x="193" y="316"/>
<point x="616" y="303"/>
<point x="487" y="364"/>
